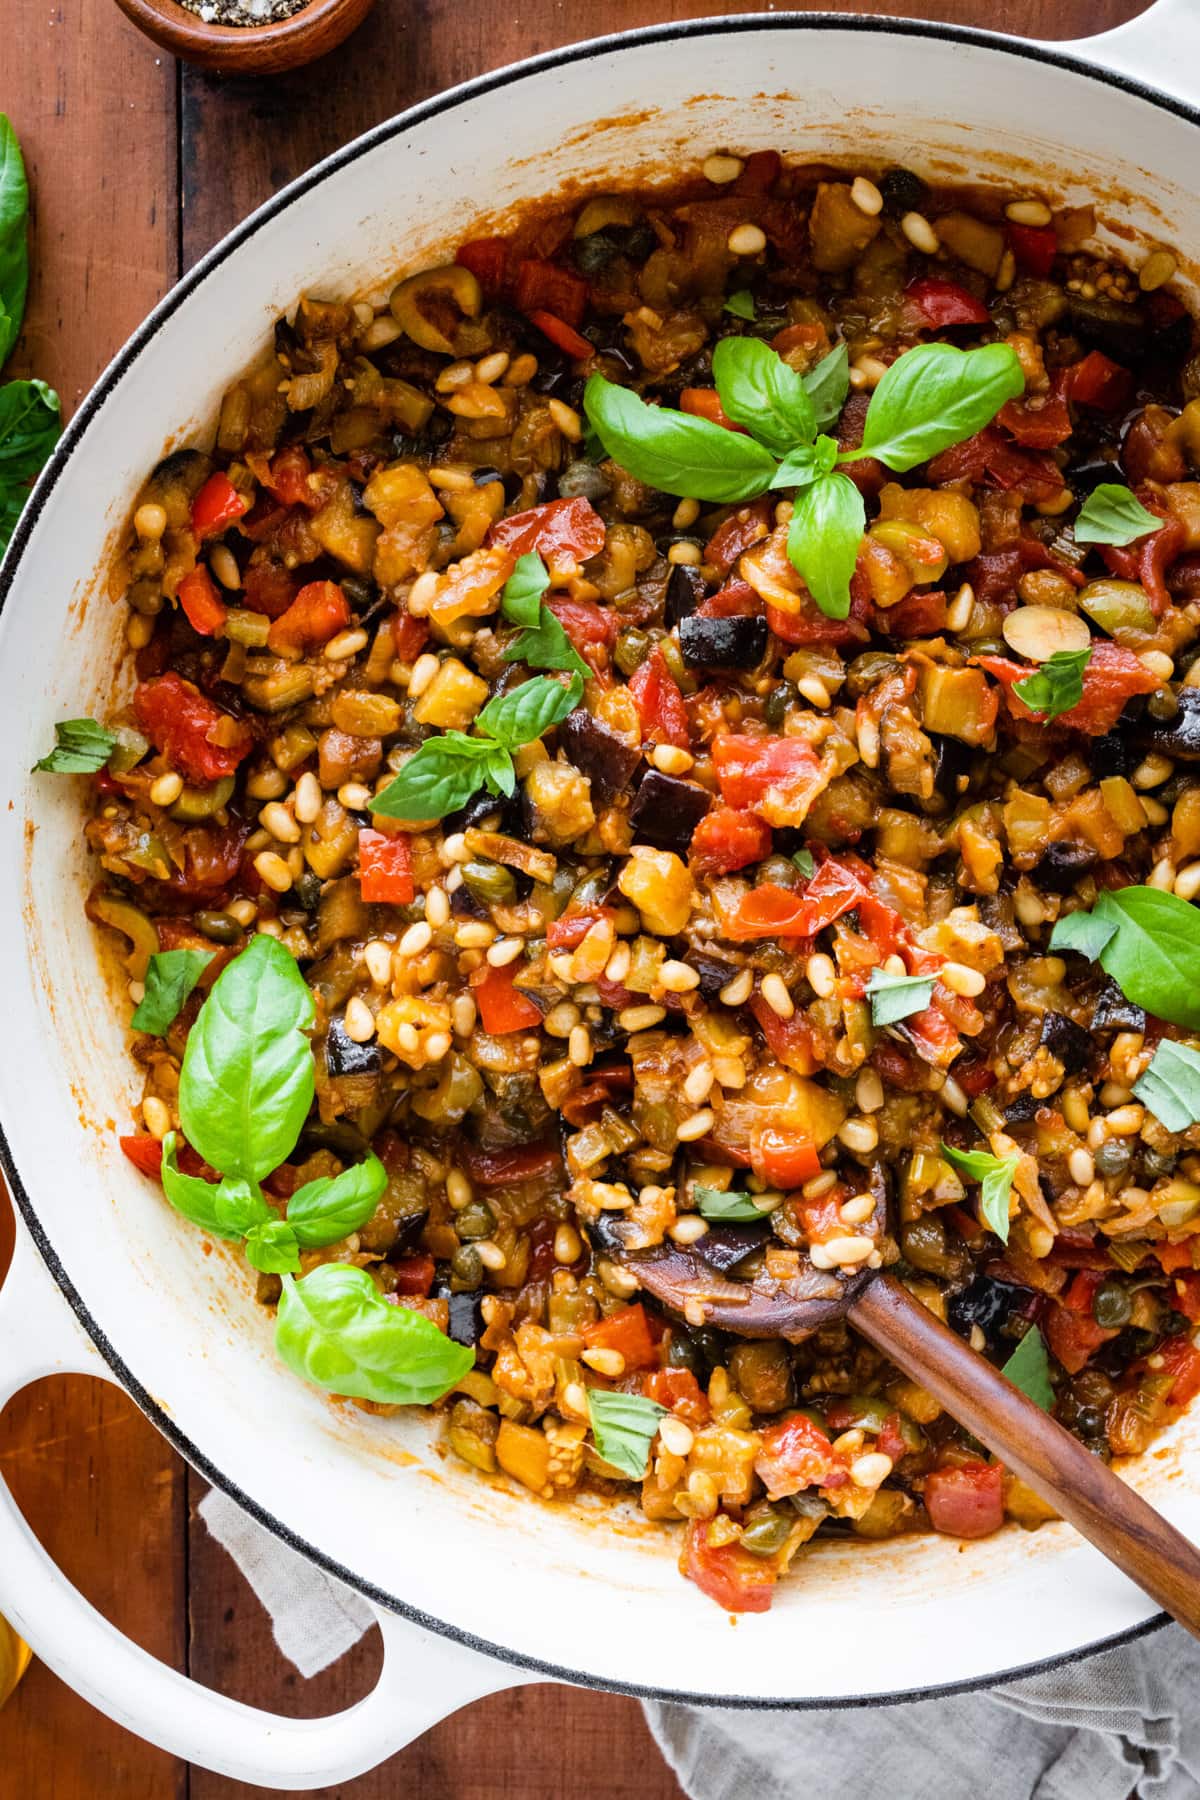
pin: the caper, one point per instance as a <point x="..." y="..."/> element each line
<point x="778" y="701"/>
<point x="867" y="670"/>
<point x="766" y="1531"/>
<point x="632" y="648"/>
<point x="1089" y="1421"/>
<point x="1175" y="1323"/>
<point x="466" y="1265"/>
<point x="1162" y="704"/>
<point x="476" y="1220"/>
<point x="779" y="871"/>
<point x="1156" y="1163"/>
<point x="1112" y="1306"/>
<point x="218" y="927"/>
<point x="490" y="883"/>
<point x="1113" y="1157"/>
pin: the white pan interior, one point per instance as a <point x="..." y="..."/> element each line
<point x="579" y="1591"/>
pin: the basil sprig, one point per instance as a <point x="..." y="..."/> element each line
<point x="30" y="415"/>
<point x="1149" y="942"/>
<point x="720" y="1208"/>
<point x="170" y="977"/>
<point x="996" y="1175"/>
<point x="1113" y="515"/>
<point x="1057" y="685"/>
<point x="81" y="746"/>
<point x="895" y="997"/>
<point x="447" y="770"/>
<point x="624" y="1427"/>
<point x="521" y="600"/>
<point x="932" y="396"/>
<point x="1028" y="1368"/>
<point x="336" y="1330"/>
<point x="741" y="304"/>
<point x="1170" y="1087"/>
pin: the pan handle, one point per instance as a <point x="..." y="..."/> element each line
<point x="1160" y="47"/>
<point x="424" y="1677"/>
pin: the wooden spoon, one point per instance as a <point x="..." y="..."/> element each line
<point x="1079" y="1486"/>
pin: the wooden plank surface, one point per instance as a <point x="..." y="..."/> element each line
<point x="137" y="169"/>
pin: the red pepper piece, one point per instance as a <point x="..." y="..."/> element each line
<point x="1040" y="422"/>
<point x="705" y="403"/>
<point x="798" y="337"/>
<point x="945" y="303"/>
<point x="563" y="336"/>
<point x="502" y="1007"/>
<point x="409" y="636"/>
<point x="568" y="931"/>
<point x="1100" y="382"/>
<point x="587" y="625"/>
<point x="498" y="1168"/>
<point x="1034" y="247"/>
<point x="796" y="1454"/>
<point x="748" y="525"/>
<point x="736" y="600"/>
<point x="1112" y="677"/>
<point x="385" y="868"/>
<point x="659" y="701"/>
<point x="790" y="1041"/>
<point x="680" y="1392"/>
<point x="560" y="528"/>
<point x="487" y="259"/>
<point x="206" y="611"/>
<point x="1148" y="560"/>
<point x="737" y="1580"/>
<point x="287" y="478"/>
<point x="628" y="1332"/>
<point x="414" y="1276"/>
<point x="547" y="287"/>
<point x="783" y="1158"/>
<point x="196" y="737"/>
<point x="990" y="454"/>
<point x="1182" y="1360"/>
<point x="727" y="839"/>
<point x="216" y="506"/>
<point x="318" y="613"/>
<point x="145" y="1153"/>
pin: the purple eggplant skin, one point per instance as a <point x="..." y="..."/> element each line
<point x="1066" y="1041"/>
<point x="713" y="971"/>
<point x="736" y="643"/>
<point x="686" y="588"/>
<point x="723" y="1247"/>
<point x="667" y="811"/>
<point x="344" y="1057"/>
<point x="1179" y="737"/>
<point x="597" y="752"/>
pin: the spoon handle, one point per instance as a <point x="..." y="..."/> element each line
<point x="1080" y="1487"/>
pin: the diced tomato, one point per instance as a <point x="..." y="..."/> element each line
<point x="1112" y="677"/>
<point x="568" y="931"/>
<point x="385" y="868"/>
<point x="546" y="287"/>
<point x="1074" y="1337"/>
<point x="934" y="1036"/>
<point x="1100" y="382"/>
<point x="777" y="777"/>
<point x="783" y="1159"/>
<point x="196" y="737"/>
<point x="502" y="1007"/>
<point x="1080" y="1293"/>
<point x="705" y="403"/>
<point x="728" y="839"/>
<point x="499" y="1168"/>
<point x="563" y="336"/>
<point x="628" y="1332"/>
<point x="268" y="587"/>
<point x="796" y="1454"/>
<point x="145" y="1153"/>
<point x="890" y="1441"/>
<point x="810" y="625"/>
<point x="1039" y="422"/>
<point x="1175" y="1256"/>
<point x="1148" y="560"/>
<point x="741" y="529"/>
<point x="560" y="528"/>
<point x="680" y="1392"/>
<point x="790" y="1041"/>
<point x="760" y="172"/>
<point x="414" y="1275"/>
<point x="1181" y="1359"/>
<point x="587" y="625"/>
<point x="798" y="337"/>
<point x="216" y="506"/>
<point x="738" y="1581"/>
<point x="917" y="615"/>
<point x="966" y="1500"/>
<point x="989" y="453"/>
<point x="736" y="600"/>
<point x="604" y="1087"/>
<point x="318" y="612"/>
<point x="409" y="636"/>
<point x="287" y="477"/>
<point x="659" y="702"/>
<point x="1186" y="1291"/>
<point x="205" y="610"/>
<point x="1034" y="247"/>
<point x="768" y="911"/>
<point x="945" y="303"/>
<point x="487" y="259"/>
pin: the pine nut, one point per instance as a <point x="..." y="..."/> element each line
<point x="463" y="1014"/>
<point x="747" y="240"/>
<point x="866" y="196"/>
<point x="685" y="553"/>
<point x="156" y="1116"/>
<point x="167" y="789"/>
<point x="868" y="1091"/>
<point x="244" y="911"/>
<point x="671" y="759"/>
<point x="308" y="798"/>
<point x="953" y="1097"/>
<point x="605" y="1362"/>
<point x="139" y="629"/>
<point x="814" y="691"/>
<point x="617" y="966"/>
<point x="521" y="371"/>
<point x="437" y="1045"/>
<point x="491" y="1255"/>
<point x="504" y="951"/>
<point x="454" y="376"/>
<point x="567" y="419"/>
<point x="859" y="1135"/>
<point x="345" y="645"/>
<point x="698" y="1126"/>
<point x="417" y="938"/>
<point x="1028" y="212"/>
<point x="961" y="979"/>
<point x="1126" y="1121"/>
<point x="846" y="1251"/>
<point x="1081" y="1167"/>
<point x="423" y="589"/>
<point x="491" y="368"/>
<point x="359" y="1020"/>
<point x="858" y="1210"/>
<point x="423" y="672"/>
<point x="1157" y="269"/>
<point x="459" y="1192"/>
<point x="279" y="822"/>
<point x="677" y="1437"/>
<point x="378" y="957"/>
<point x="872" y="1470"/>
<point x="437" y="907"/>
<point x="821" y="975"/>
<point x="685" y="514"/>
<point x="720" y="170"/>
<point x="223" y="564"/>
<point x="678" y="978"/>
<point x="1158" y="663"/>
<point x="688" y="1230"/>
<point x="568" y="1245"/>
<point x="270" y="868"/>
<point x="579" y="1046"/>
<point x="958" y="613"/>
<point x="775" y="993"/>
<point x="920" y="233"/>
<point x="641" y="1018"/>
<point x="737" y="991"/>
<point x="820" y="1184"/>
<point x="1187" y="882"/>
<point x="698" y="1085"/>
<point x="149" y="522"/>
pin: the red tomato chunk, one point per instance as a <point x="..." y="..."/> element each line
<point x="194" y="735"/>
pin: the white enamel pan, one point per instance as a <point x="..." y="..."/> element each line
<point x="479" y="1588"/>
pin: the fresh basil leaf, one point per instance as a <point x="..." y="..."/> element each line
<point x="827" y="386"/>
<point x="1057" y="685"/>
<point x="170" y="977"/>
<point x="1170" y="1087"/>
<point x="329" y="1209"/>
<point x="624" y="1427"/>
<point x="498" y="773"/>
<point x="547" y="646"/>
<point x="759" y="390"/>
<point x="828" y="521"/>
<point x="741" y="304"/>
<point x="895" y="997"/>
<point x="272" y="1248"/>
<point x="521" y="601"/>
<point x="239" y="1206"/>
<point x="673" y="451"/>
<point x="189" y="1195"/>
<point x="247" y="1078"/>
<point x="996" y="1174"/>
<point x="935" y="395"/>
<point x="80" y="748"/>
<point x="30" y="421"/>
<point x="1154" y="954"/>
<point x="527" y="712"/>
<point x="443" y="775"/>
<point x="805" y="862"/>
<point x="335" y="1329"/>
<point x="1028" y="1368"/>
<point x="1085" y="932"/>
<point x="14" y="251"/>
<point x="726" y="1209"/>
<point x="805" y="463"/>
<point x="1112" y="515"/>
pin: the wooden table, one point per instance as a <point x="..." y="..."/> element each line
<point x="137" y="167"/>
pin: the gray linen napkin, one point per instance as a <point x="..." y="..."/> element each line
<point x="1124" y="1722"/>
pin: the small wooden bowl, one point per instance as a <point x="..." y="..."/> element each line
<point x="248" y="49"/>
